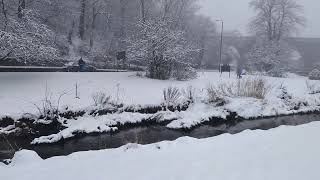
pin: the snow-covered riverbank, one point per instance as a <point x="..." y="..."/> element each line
<point x="281" y="153"/>
<point x="294" y="97"/>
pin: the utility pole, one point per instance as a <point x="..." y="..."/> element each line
<point x="221" y="43"/>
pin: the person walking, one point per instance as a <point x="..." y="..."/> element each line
<point x="82" y="65"/>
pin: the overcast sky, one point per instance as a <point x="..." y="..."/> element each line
<point x="237" y="14"/>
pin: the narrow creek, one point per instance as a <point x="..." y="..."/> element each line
<point x="147" y="135"/>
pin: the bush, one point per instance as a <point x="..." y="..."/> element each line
<point x="313" y="88"/>
<point x="183" y="71"/>
<point x="291" y="102"/>
<point x="159" y="68"/>
<point x="314" y="75"/>
<point x="277" y="72"/>
<point x="215" y="96"/>
<point x="101" y="99"/>
<point x="249" y="87"/>
<point x="163" y="69"/>
<point x="171" y="96"/>
<point x="189" y="93"/>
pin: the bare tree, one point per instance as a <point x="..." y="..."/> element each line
<point x="276" y="19"/>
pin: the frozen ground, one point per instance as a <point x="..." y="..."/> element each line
<point x="278" y="154"/>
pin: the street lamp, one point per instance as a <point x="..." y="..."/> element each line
<point x="221" y="42"/>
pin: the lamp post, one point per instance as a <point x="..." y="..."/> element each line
<point x="221" y="42"/>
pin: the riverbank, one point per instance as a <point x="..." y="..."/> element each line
<point x="145" y="135"/>
<point x="108" y="114"/>
<point x="281" y="153"/>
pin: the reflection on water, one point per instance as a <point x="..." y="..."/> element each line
<point x="148" y="135"/>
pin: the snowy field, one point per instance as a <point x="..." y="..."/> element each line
<point x="284" y="153"/>
<point x="20" y="91"/>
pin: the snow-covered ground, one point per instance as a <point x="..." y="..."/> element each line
<point x="278" y="154"/>
<point x="20" y="91"/>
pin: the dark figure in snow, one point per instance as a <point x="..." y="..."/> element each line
<point x="239" y="71"/>
<point x="82" y="65"/>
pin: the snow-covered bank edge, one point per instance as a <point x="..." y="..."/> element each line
<point x="184" y="113"/>
<point x="195" y="115"/>
<point x="281" y="153"/>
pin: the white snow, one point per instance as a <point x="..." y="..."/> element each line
<point x="195" y="115"/>
<point x="25" y="157"/>
<point x="89" y="124"/>
<point x="277" y="154"/>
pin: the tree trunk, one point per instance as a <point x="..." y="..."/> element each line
<point x="4" y="12"/>
<point x="70" y="34"/>
<point x="143" y="10"/>
<point x="82" y="19"/>
<point x="122" y="24"/>
<point x="93" y="25"/>
<point x="21" y="8"/>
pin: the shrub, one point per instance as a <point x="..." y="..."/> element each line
<point x="159" y="68"/>
<point x="291" y="102"/>
<point x="139" y="74"/>
<point x="313" y="88"/>
<point x="183" y="71"/>
<point x="314" y="75"/>
<point x="101" y="99"/>
<point x="171" y="96"/>
<point x="215" y="96"/>
<point x="277" y="72"/>
<point x="189" y="93"/>
<point x="255" y="87"/>
<point x="164" y="68"/>
<point x="49" y="109"/>
<point x="248" y="87"/>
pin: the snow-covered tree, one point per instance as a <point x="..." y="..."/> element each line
<point x="274" y="21"/>
<point x="314" y="74"/>
<point x="161" y="47"/>
<point x="28" y="41"/>
<point x="268" y="57"/>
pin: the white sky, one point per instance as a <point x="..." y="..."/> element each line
<point x="237" y="14"/>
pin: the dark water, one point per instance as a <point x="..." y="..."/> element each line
<point x="147" y="135"/>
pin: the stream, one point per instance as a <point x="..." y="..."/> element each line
<point x="145" y="135"/>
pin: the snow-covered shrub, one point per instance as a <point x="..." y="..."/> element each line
<point x="269" y="58"/>
<point x="101" y="99"/>
<point x="253" y="87"/>
<point x="183" y="71"/>
<point x="171" y="96"/>
<point x="277" y="72"/>
<point x="215" y="96"/>
<point x="314" y="75"/>
<point x="189" y="93"/>
<point x="49" y="108"/>
<point x="247" y="87"/>
<point x="288" y="99"/>
<point x="313" y="88"/>
<point x="284" y="94"/>
<point x="159" y="68"/>
<point x="139" y="74"/>
<point x="161" y="47"/>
